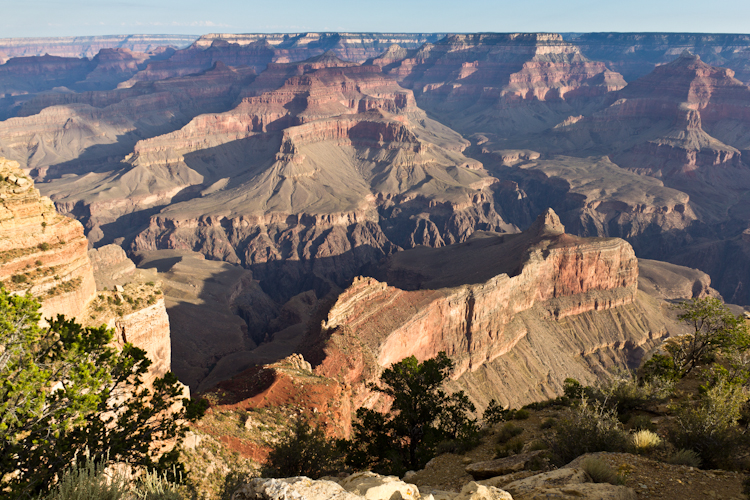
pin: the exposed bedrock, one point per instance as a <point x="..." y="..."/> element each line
<point x="517" y="314"/>
<point x="636" y="54"/>
<point x="45" y="254"/>
<point x="41" y="251"/>
<point x="510" y="84"/>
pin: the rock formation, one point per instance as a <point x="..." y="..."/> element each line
<point x="111" y="264"/>
<point x="334" y="169"/>
<point x="637" y="54"/>
<point x="41" y="251"/>
<point x="517" y="314"/>
<point x="566" y="483"/>
<point x="137" y="314"/>
<point x="88" y="46"/>
<point x="45" y="254"/>
<point x="506" y="83"/>
<point x="258" y="50"/>
<point x="672" y="124"/>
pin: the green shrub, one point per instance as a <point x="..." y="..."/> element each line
<point x="600" y="471"/>
<point x="538" y="445"/>
<point x="38" y="263"/>
<point x="155" y="486"/>
<point x="547" y="423"/>
<point x="625" y="392"/>
<point x="304" y="451"/>
<point x="588" y="428"/>
<point x="89" y="482"/>
<point x="508" y="432"/>
<point x="422" y="415"/>
<point x="43" y="247"/>
<point x="572" y="389"/>
<point x="685" y="457"/>
<point x="709" y="427"/>
<point x="521" y="414"/>
<point x="659" y="366"/>
<point x="18" y="278"/>
<point x="512" y="447"/>
<point x="494" y="413"/>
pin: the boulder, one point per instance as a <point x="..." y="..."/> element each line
<point x="292" y="488"/>
<point x="567" y="483"/>
<point x="589" y="491"/>
<point x="476" y="491"/>
<point x="376" y="487"/>
<point x="559" y="477"/>
<point x="501" y="466"/>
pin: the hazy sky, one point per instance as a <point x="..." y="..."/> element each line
<point x="23" y="18"/>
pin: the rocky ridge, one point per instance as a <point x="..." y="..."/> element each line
<point x="87" y="46"/>
<point x="517" y="314"/>
<point x="509" y="83"/>
<point x="636" y="54"/>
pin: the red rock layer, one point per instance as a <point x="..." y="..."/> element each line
<point x="562" y="280"/>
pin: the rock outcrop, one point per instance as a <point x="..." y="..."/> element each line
<point x="111" y="265"/>
<point x="502" y="83"/>
<point x="137" y="314"/>
<point x="45" y="253"/>
<point x="359" y="486"/>
<point x="517" y="314"/>
<point x="339" y="168"/>
<point x="41" y="251"/>
<point x="637" y="54"/>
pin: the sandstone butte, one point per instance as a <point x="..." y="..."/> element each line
<point x="517" y="314"/>
<point x="45" y="254"/>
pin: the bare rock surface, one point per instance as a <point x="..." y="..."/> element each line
<point x="501" y="466"/>
<point x="292" y="489"/>
<point x="41" y="251"/>
<point x="373" y="486"/>
<point x="670" y="281"/>
<point x="517" y="314"/>
<point x="567" y="483"/>
<point x="111" y="266"/>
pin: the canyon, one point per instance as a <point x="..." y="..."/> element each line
<point x="271" y="183"/>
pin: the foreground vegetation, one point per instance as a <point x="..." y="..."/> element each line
<point x="687" y="405"/>
<point x="67" y="396"/>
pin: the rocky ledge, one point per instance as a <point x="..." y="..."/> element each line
<point x="566" y="483"/>
<point x="517" y="313"/>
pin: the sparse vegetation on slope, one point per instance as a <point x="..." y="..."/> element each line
<point x="66" y="395"/>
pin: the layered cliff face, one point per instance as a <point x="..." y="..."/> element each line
<point x="637" y="54"/>
<point x="45" y="254"/>
<point x="332" y="170"/>
<point x="137" y="314"/>
<point x="686" y="122"/>
<point x="258" y="50"/>
<point x="516" y="313"/>
<point x="41" y="251"/>
<point x="88" y="46"/>
<point x="501" y="83"/>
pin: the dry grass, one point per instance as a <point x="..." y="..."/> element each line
<point x="645" y="440"/>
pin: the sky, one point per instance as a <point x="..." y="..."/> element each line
<point x="35" y="18"/>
